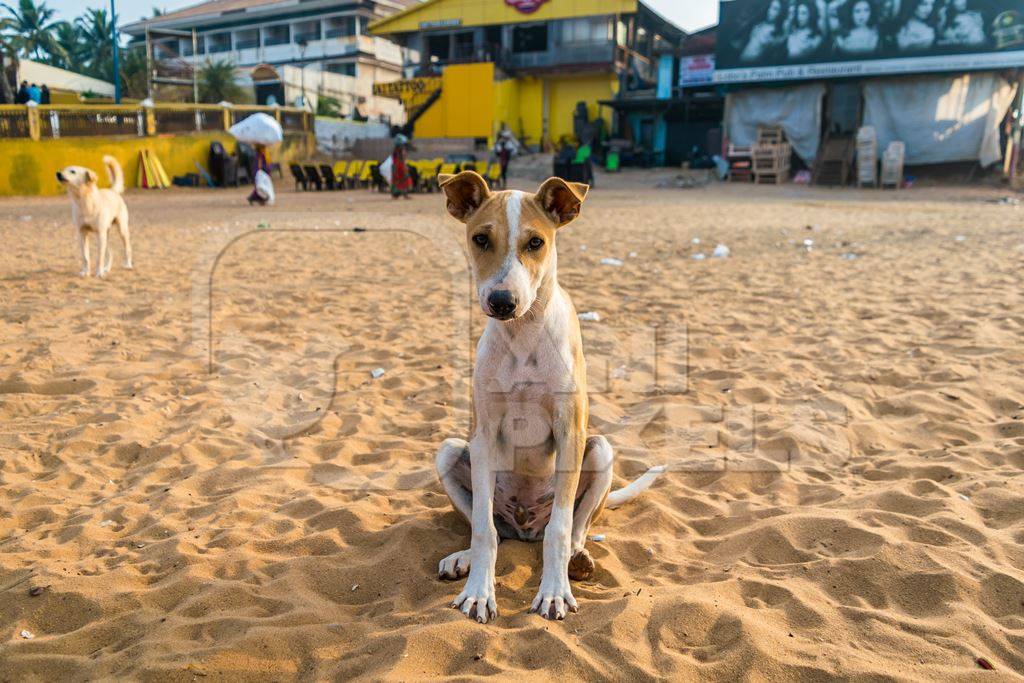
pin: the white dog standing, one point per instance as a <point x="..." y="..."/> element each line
<point x="529" y="471"/>
<point x="95" y="210"/>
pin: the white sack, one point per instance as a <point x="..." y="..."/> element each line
<point x="258" y="129"/>
<point x="797" y="109"/>
<point x="940" y="118"/>
<point x="264" y="186"/>
<point x="386" y="169"/>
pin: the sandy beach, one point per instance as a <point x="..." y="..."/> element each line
<point x="201" y="479"/>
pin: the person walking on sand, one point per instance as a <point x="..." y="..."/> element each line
<point x="504" y="149"/>
<point x="401" y="181"/>
<point x="260" y="162"/>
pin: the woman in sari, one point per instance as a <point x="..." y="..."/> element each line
<point x="401" y="180"/>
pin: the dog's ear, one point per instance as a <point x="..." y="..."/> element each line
<point x="561" y="199"/>
<point x="91" y="177"/>
<point x="466" y="192"/>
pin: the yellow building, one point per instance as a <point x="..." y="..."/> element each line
<point x="473" y="65"/>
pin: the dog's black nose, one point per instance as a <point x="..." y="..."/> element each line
<point x="60" y="176"/>
<point x="502" y="304"/>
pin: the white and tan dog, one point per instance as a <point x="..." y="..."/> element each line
<point x="529" y="471"/>
<point x="95" y="210"/>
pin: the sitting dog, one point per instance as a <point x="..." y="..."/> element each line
<point x="529" y="471"/>
<point x="94" y="210"/>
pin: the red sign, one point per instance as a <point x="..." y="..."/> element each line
<point x="526" y="6"/>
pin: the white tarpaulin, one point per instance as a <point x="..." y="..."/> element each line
<point x="796" y="109"/>
<point x="940" y="118"/>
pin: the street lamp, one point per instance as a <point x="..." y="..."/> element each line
<point x="303" y="43"/>
<point x="113" y="40"/>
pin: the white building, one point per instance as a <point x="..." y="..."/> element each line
<point x="289" y="50"/>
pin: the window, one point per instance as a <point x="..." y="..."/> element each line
<point x="218" y="42"/>
<point x="339" y="27"/>
<point x="438" y="48"/>
<point x="247" y="38"/>
<point x="344" y="68"/>
<point x="464" y="45"/>
<point x="530" y="38"/>
<point x="307" y="31"/>
<point x="587" y="30"/>
<point x="277" y="35"/>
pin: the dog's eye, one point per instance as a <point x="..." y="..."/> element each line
<point x="481" y="240"/>
<point x="71" y="172"/>
<point x="534" y="244"/>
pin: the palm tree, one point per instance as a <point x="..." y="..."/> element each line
<point x="95" y="29"/>
<point x="32" y="27"/>
<point x="8" y="55"/>
<point x="133" y="73"/>
<point x="217" y="82"/>
<point x="69" y="37"/>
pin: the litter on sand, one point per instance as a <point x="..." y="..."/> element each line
<point x="597" y="538"/>
<point x="611" y="262"/>
<point x="698" y="256"/>
<point x="849" y="256"/>
<point x="721" y="251"/>
<point x="590" y="317"/>
<point x="377" y="373"/>
<point x="27" y="635"/>
<point x="960" y="238"/>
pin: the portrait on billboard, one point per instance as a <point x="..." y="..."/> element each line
<point x="784" y="33"/>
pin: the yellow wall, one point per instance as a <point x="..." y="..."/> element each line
<point x="486" y="12"/>
<point x="466" y="106"/>
<point x="29" y="166"/>
<point x="474" y="105"/>
<point x="564" y="93"/>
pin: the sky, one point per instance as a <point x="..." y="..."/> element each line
<point x="690" y="14"/>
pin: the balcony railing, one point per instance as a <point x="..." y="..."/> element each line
<point x="562" y="55"/>
<point x="63" y="121"/>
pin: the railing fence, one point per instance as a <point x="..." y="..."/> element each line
<point x="61" y="121"/>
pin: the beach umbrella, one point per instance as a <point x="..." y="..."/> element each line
<point x="258" y="129"/>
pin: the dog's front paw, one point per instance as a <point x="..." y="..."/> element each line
<point x="84" y="272"/>
<point x="554" y="599"/>
<point x="479" y="594"/>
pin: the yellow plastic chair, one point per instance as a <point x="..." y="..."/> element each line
<point x="493" y="174"/>
<point x="339" y="172"/>
<point x="367" y="173"/>
<point x="352" y="176"/>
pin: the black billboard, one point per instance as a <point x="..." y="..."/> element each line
<point x="766" y="40"/>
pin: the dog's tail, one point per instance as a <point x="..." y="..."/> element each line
<point x="634" y="488"/>
<point x="115" y="173"/>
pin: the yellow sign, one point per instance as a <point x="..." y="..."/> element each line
<point x="407" y="89"/>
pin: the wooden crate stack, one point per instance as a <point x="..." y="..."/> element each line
<point x="740" y="164"/>
<point x="771" y="155"/>
<point x="867" y="157"/>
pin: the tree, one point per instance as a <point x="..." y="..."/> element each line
<point x="217" y="82"/>
<point x="69" y="37"/>
<point x="32" y="30"/>
<point x="95" y="29"/>
<point x="8" y="61"/>
<point x="133" y="73"/>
